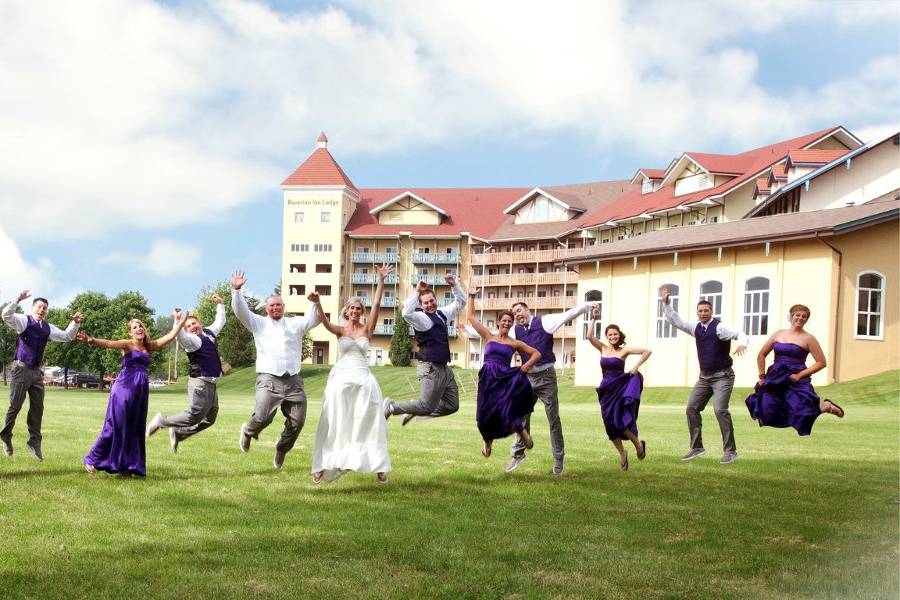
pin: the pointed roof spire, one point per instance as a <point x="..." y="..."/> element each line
<point x="319" y="169"/>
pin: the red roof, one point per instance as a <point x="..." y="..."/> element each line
<point x="476" y="210"/>
<point x="319" y="169"/>
<point x="745" y="165"/>
<point x="813" y="157"/>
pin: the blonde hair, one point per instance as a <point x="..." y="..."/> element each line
<point x="350" y="302"/>
<point x="144" y="343"/>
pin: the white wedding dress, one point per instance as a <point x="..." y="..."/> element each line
<point x="352" y="432"/>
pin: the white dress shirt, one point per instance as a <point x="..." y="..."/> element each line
<point x="419" y="321"/>
<point x="18" y="323"/>
<point x="191" y="342"/>
<point x="279" y="344"/>
<point x="723" y="332"/>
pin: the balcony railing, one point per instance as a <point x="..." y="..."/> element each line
<point x="566" y="332"/>
<point x="526" y="256"/>
<point x="437" y="258"/>
<point x="429" y="279"/>
<point x="389" y="330"/>
<point x="377" y="258"/>
<point x="567" y="277"/>
<point x="505" y="303"/>
<point x="388" y="302"/>
<point x="372" y="278"/>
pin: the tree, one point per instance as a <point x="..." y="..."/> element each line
<point x="306" y="345"/>
<point x="401" y="348"/>
<point x="7" y="346"/>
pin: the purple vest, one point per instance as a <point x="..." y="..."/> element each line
<point x="205" y="361"/>
<point x="536" y="337"/>
<point x="434" y="345"/>
<point x="31" y="343"/>
<point x="714" y="354"/>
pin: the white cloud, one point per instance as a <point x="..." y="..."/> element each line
<point x="17" y="274"/>
<point x="164" y="258"/>
<point x="134" y="115"/>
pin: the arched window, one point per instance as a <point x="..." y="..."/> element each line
<point x="711" y="291"/>
<point x="869" y="305"/>
<point x="756" y="306"/>
<point x="593" y="296"/>
<point x="664" y="329"/>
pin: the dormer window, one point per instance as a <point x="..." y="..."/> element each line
<point x="647" y="185"/>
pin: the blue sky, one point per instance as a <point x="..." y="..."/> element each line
<point x="147" y="144"/>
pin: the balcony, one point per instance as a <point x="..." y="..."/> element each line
<point x="553" y="302"/>
<point x="389" y="330"/>
<point x="566" y="332"/>
<point x="567" y="277"/>
<point x="376" y="258"/>
<point x="372" y="278"/>
<point x="427" y="258"/>
<point x="429" y="279"/>
<point x="533" y="256"/>
<point x="388" y="302"/>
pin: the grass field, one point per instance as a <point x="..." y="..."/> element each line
<point x="793" y="517"/>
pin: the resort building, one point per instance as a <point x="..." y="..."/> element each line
<point x="753" y="232"/>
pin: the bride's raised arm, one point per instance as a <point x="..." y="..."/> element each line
<point x="335" y="329"/>
<point x="383" y="272"/>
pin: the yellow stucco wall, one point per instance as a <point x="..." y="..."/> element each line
<point x="873" y="249"/>
<point x="798" y="272"/>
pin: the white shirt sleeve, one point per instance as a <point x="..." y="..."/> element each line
<point x="724" y="332"/>
<point x="675" y="319"/>
<point x="304" y="324"/>
<point x="188" y="341"/>
<point x="58" y="335"/>
<point x="553" y="322"/>
<point x="219" y="322"/>
<point x="415" y="318"/>
<point x="16" y="322"/>
<point x="249" y="320"/>
<point x="459" y="302"/>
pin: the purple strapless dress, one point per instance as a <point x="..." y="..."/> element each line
<point x="780" y="402"/>
<point x="620" y="397"/>
<point x="504" y="393"/>
<point x="120" y="446"/>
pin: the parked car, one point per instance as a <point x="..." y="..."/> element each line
<point x="86" y="380"/>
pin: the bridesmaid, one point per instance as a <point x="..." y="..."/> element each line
<point x="120" y="446"/>
<point x="504" y="392"/>
<point x="620" y="391"/>
<point x="784" y="396"/>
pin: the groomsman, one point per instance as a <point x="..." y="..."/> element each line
<point x="439" y="395"/>
<point x="537" y="332"/>
<point x="279" y="350"/>
<point x="716" y="375"/>
<point x="201" y="345"/>
<point x="26" y="375"/>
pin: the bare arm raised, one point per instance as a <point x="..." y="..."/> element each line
<point x="383" y="272"/>
<point x="323" y="318"/>
<point x="482" y="331"/>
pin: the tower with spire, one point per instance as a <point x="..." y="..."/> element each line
<point x="319" y="200"/>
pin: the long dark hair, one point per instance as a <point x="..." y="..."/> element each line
<point x="621" y="335"/>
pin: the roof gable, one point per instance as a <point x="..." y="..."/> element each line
<point x="411" y="195"/>
<point x="319" y="169"/>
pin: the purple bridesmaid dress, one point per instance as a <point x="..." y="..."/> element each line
<point x="620" y="397"/>
<point x="504" y="393"/>
<point x="120" y="446"/>
<point x="780" y="402"/>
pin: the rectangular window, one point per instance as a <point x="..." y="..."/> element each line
<point x="325" y="217"/>
<point x="323" y="268"/>
<point x="304" y="247"/>
<point x="298" y="268"/>
<point x="756" y="306"/>
<point x="295" y="247"/>
<point x="298" y="217"/>
<point x="711" y="291"/>
<point x="474" y="356"/>
<point x="388" y="321"/>
<point x="297" y="290"/>
<point x="322" y="247"/>
<point x="869" y="306"/>
<point x="363" y="250"/>
<point x="323" y="290"/>
<point x="664" y="329"/>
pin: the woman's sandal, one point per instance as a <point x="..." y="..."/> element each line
<point x="317" y="477"/>
<point x="91" y="469"/>
<point x="381" y="477"/>
<point x="486" y="449"/>
<point x="642" y="453"/>
<point x="835" y="405"/>
<point x="623" y="464"/>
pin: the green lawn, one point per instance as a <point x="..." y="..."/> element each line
<point x="793" y="517"/>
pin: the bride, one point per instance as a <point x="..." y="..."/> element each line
<point x="352" y="432"/>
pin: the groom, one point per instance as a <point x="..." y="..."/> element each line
<point x="439" y="395"/>
<point x="26" y="375"/>
<point x="279" y="347"/>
